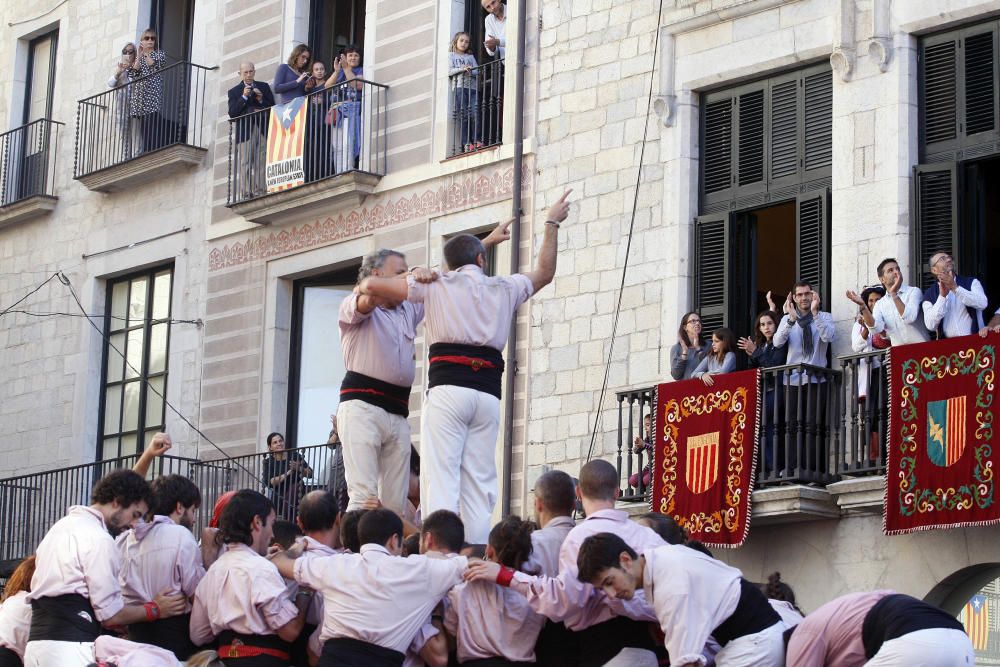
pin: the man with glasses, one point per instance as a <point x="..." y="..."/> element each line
<point x="953" y="306"/>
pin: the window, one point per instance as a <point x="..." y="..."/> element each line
<point x="172" y="20"/>
<point x="333" y="25"/>
<point x="134" y="382"/>
<point x="40" y="82"/>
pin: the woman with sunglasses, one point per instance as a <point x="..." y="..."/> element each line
<point x="118" y="79"/>
<point x="146" y="96"/>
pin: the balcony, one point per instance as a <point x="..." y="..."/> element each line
<point x="27" y="171"/>
<point x="30" y="504"/>
<point x="476" y="99"/>
<point x="821" y="443"/>
<point x="142" y="131"/>
<point x="335" y="157"/>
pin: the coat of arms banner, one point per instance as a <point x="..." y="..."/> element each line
<point x="705" y="455"/>
<point x="940" y="464"/>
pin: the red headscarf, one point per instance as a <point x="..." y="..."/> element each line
<point x="220" y="505"/>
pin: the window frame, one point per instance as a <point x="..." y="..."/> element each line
<point x="29" y="78"/>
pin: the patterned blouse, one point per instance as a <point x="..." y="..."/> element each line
<point x="147" y="85"/>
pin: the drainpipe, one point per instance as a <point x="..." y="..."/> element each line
<point x="515" y="254"/>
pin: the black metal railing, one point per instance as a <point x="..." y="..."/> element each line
<point x="144" y="115"/>
<point x="345" y="130"/>
<point x="476" y="98"/>
<point x="30" y="504"/>
<point x="866" y="414"/>
<point x="635" y="443"/>
<point x="28" y="161"/>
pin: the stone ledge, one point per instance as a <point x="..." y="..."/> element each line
<point x="862" y="494"/>
<point x="792" y="504"/>
<point x="25" y="209"/>
<point x="144" y="168"/>
<point x="349" y="188"/>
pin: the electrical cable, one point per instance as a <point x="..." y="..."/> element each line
<point x="598" y="418"/>
<point x="134" y="320"/>
<point x="13" y="305"/>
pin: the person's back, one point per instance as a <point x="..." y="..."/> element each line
<point x="831" y="635"/>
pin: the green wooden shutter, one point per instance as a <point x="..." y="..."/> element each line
<point x="812" y="241"/>
<point x="784" y="125"/>
<point x="817" y="138"/>
<point x="935" y="208"/>
<point x="717" y="158"/>
<point x="711" y="291"/>
<point x="750" y="142"/>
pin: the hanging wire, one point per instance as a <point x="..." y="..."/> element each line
<point x="38" y="287"/>
<point x="33" y="313"/>
<point x="599" y="417"/>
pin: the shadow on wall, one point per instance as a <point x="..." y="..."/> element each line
<point x="955" y="590"/>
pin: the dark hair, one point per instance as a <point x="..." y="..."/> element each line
<point x="758" y="337"/>
<point x="236" y="522"/>
<point x="414" y="461"/>
<point x="124" y="487"/>
<point x="698" y="546"/>
<point x="318" y="510"/>
<point x="801" y="283"/>
<point x="170" y="490"/>
<point x="378" y="526"/>
<point x="461" y="250"/>
<point x="447" y="529"/>
<point x="683" y="332"/>
<point x="881" y="265"/>
<point x="411" y="545"/>
<point x="473" y="550"/>
<point x="270" y="436"/>
<point x="557" y="492"/>
<point x="728" y="341"/>
<point x="350" y="48"/>
<point x="20" y="578"/>
<point x="599" y="480"/>
<point x="665" y="526"/>
<point x="868" y="291"/>
<point x="598" y="553"/>
<point x="284" y="533"/>
<point x="349" y="530"/>
<point x="511" y="540"/>
<point x="776" y="589"/>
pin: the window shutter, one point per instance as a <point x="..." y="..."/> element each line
<point x="784" y="129"/>
<point x="980" y="83"/>
<point x="818" y="139"/>
<point x="935" y="209"/>
<point x="812" y="231"/>
<point x="710" y="289"/>
<point x="940" y="94"/>
<point x="751" y="137"/>
<point x="718" y="136"/>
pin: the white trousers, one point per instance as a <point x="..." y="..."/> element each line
<point x="761" y="649"/>
<point x="376" y="450"/>
<point x="47" y="653"/>
<point x="458" y="436"/>
<point x="934" y="647"/>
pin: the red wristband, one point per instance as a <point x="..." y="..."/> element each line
<point x="505" y="576"/>
<point x="152" y="611"/>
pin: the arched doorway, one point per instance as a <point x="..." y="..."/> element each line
<point x="973" y="595"/>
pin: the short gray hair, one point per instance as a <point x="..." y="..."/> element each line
<point x="376" y="260"/>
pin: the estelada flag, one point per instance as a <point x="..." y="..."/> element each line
<point x="286" y="134"/>
<point x="704" y="455"/>
<point x="977" y="621"/>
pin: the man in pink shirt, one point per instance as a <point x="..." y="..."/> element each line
<point x="376" y="338"/>
<point x="831" y="635"/>
<point x="242" y="601"/>
<point x="319" y="519"/>
<point x="162" y="555"/>
<point x="610" y="625"/>
<point x="468" y="321"/>
<point x="75" y="588"/>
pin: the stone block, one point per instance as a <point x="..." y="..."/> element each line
<point x="564" y="358"/>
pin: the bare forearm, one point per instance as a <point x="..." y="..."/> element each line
<point x="545" y="266"/>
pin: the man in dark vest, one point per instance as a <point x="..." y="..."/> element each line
<point x="953" y="306"/>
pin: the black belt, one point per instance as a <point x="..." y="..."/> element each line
<point x="390" y="397"/>
<point x="171" y="634"/>
<point x="494" y="662"/>
<point x="9" y="659"/>
<point x="63" y="618"/>
<point x="347" y="652"/>
<point x="752" y="615"/>
<point x="472" y="366"/>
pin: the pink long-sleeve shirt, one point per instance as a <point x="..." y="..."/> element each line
<point x="831" y="635"/>
<point x="490" y="621"/>
<point x="156" y="557"/>
<point x="545" y="546"/>
<point x="579" y="605"/>
<point x="15" y="623"/>
<point x="123" y="653"/>
<point x="379" y="343"/>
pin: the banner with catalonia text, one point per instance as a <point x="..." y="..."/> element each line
<point x="286" y="134"/>
<point x="941" y="461"/>
<point x="705" y="455"/>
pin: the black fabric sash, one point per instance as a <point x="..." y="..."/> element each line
<point x="169" y="633"/>
<point x="443" y="371"/>
<point x="63" y="618"/>
<point x="753" y="614"/>
<point x="392" y="398"/>
<point x="9" y="659"/>
<point x="494" y="662"/>
<point x="346" y="652"/>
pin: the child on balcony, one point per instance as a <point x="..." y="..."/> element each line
<point x="720" y="359"/>
<point x="464" y="79"/>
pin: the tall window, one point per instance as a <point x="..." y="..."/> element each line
<point x="172" y="21"/>
<point x="333" y="24"/>
<point x="137" y="321"/>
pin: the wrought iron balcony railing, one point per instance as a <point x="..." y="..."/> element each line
<point x="476" y="99"/>
<point x="28" y="161"/>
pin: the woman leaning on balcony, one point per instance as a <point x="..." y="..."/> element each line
<point x="146" y="93"/>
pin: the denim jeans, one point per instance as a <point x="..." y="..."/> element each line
<point x="467" y="116"/>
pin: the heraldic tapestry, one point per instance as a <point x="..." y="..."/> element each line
<point x="940" y="462"/>
<point x="705" y="454"/>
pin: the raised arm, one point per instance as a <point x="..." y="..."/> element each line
<point x="393" y="289"/>
<point x="158" y="446"/>
<point x="545" y="266"/>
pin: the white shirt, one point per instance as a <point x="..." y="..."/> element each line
<point x="376" y="597"/>
<point x="790" y="333"/>
<point x="901" y="329"/>
<point x="156" y="557"/>
<point x="546" y="544"/>
<point x="497" y="28"/>
<point x="952" y="309"/>
<point x="692" y="595"/>
<point x="15" y="622"/>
